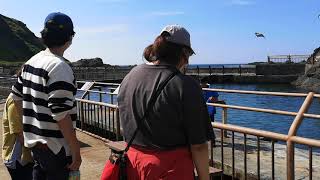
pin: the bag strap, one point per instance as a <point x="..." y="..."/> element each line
<point x="150" y="105"/>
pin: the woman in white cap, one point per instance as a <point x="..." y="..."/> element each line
<point x="163" y="112"/>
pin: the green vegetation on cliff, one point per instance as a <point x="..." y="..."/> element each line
<point x="17" y="42"/>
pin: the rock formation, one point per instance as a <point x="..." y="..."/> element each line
<point x="311" y="79"/>
<point x="94" y="62"/>
<point x="17" y="42"/>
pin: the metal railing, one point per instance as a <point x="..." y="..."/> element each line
<point x="102" y="119"/>
<point x="290" y="139"/>
<point x="7" y="82"/>
<point x="99" y="118"/>
<point x="103" y="74"/>
<point x="99" y="85"/>
<point x="288" y="58"/>
<point x="222" y="70"/>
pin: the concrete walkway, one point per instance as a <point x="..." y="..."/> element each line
<point x="93" y="151"/>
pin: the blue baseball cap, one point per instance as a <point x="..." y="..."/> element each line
<point x="59" y="22"/>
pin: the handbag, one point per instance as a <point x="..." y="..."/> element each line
<point x="115" y="168"/>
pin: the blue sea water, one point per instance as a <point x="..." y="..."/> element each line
<point x="264" y="121"/>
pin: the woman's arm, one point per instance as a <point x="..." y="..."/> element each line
<point x="197" y="126"/>
<point x="200" y="158"/>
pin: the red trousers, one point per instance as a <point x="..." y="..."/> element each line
<point x="146" y="164"/>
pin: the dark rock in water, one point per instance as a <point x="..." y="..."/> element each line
<point x="17" y="42"/>
<point x="309" y="83"/>
<point x="311" y="79"/>
<point x="94" y="62"/>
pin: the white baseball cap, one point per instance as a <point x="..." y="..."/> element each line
<point x="178" y="35"/>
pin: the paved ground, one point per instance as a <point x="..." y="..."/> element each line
<point x="94" y="154"/>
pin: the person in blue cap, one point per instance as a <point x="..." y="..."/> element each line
<point x="210" y="97"/>
<point x="45" y="95"/>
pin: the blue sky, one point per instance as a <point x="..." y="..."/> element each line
<point x="222" y="31"/>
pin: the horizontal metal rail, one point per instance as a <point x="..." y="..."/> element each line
<point x="97" y="103"/>
<point x="286" y="56"/>
<point x="260" y="92"/>
<point x="99" y="118"/>
<point x="305" y="141"/>
<point x="246" y="131"/>
<point x="101" y="83"/>
<point x="272" y="111"/>
<point x="100" y="92"/>
<point x="255" y="132"/>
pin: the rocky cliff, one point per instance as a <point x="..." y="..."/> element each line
<point x="17" y="42"/>
<point x="94" y="62"/>
<point x="311" y="79"/>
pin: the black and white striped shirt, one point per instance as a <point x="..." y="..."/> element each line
<point x="47" y="87"/>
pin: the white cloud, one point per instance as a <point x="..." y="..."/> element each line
<point x="115" y="28"/>
<point x="166" y="13"/>
<point x="242" y="2"/>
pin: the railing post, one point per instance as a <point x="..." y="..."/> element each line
<point x="269" y="59"/>
<point x="292" y="132"/>
<point x="222" y="69"/>
<point x="225" y="119"/>
<point x="82" y="116"/>
<point x="290" y="160"/>
<point x="118" y="134"/>
<point x="240" y="70"/>
<point x="111" y="96"/>
<point x="198" y="71"/>
<point x="100" y="94"/>
<point x="210" y="70"/>
<point x="289" y="58"/>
